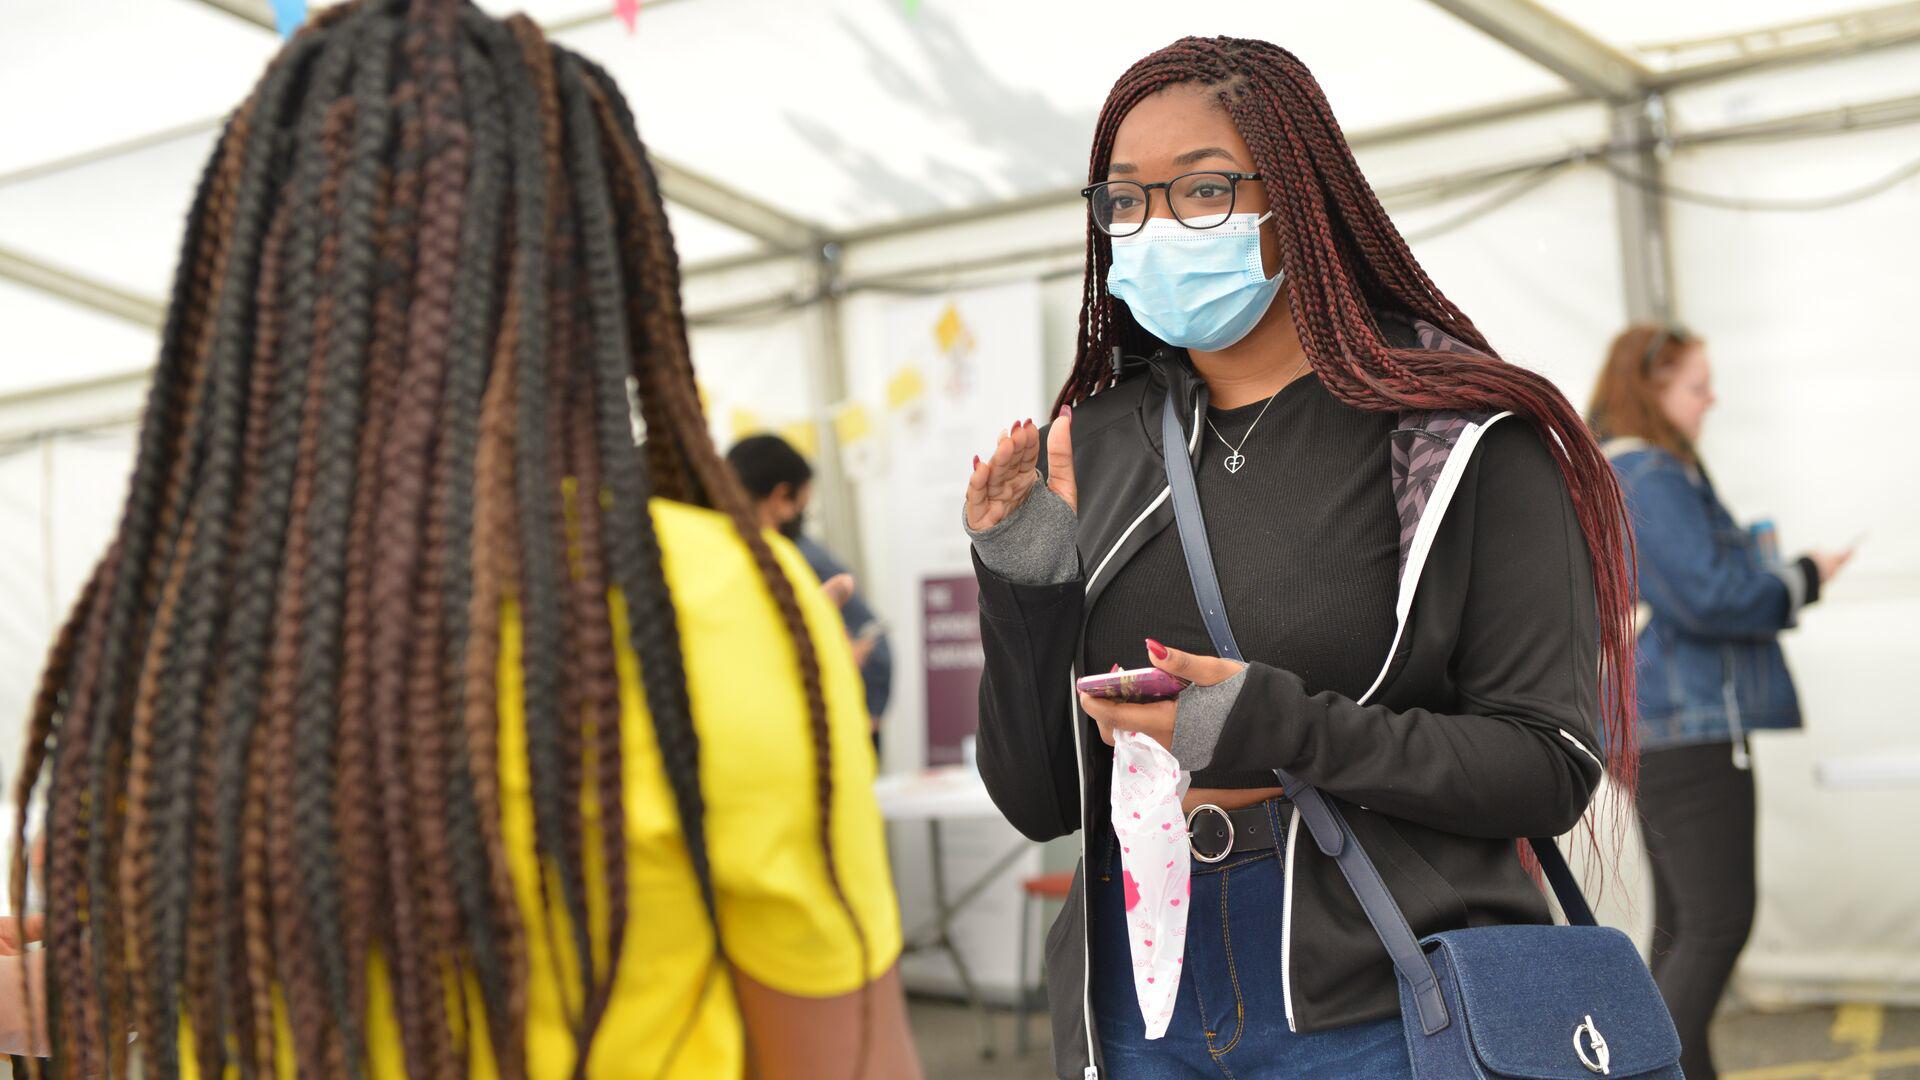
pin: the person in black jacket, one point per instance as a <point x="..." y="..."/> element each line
<point x="1420" y="549"/>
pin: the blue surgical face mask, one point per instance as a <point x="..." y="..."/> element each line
<point x="1195" y="288"/>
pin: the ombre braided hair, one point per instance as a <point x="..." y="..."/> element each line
<point x="424" y="271"/>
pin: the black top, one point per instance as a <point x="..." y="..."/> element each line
<point x="1305" y="540"/>
<point x="1483" y="730"/>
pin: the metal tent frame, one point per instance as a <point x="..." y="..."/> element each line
<point x="832" y="263"/>
<point x="1595" y="71"/>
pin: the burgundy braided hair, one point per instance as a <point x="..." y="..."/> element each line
<point x="1344" y="262"/>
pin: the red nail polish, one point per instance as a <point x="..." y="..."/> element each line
<point x="976" y="461"/>
<point x="1066" y="412"/>
<point x="1158" y="650"/>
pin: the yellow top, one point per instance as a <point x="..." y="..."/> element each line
<point x="777" y="910"/>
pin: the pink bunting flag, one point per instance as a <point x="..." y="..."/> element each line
<point x="629" y="12"/>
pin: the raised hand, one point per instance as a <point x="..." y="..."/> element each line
<point x="1003" y="480"/>
<point x="1830" y="563"/>
<point x="839" y="589"/>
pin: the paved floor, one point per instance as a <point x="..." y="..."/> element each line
<point x="1852" y="1042"/>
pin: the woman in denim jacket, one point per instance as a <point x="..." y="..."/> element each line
<point x="1710" y="670"/>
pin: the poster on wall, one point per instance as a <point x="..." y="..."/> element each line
<point x="936" y="379"/>
<point x="958" y="368"/>
<point x="950" y="636"/>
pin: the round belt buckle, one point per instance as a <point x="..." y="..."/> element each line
<point x="1195" y="848"/>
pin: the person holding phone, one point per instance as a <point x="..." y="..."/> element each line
<point x="1421" y="552"/>
<point x="1710" y="666"/>
<point x="416" y="722"/>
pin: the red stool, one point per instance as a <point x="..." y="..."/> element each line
<point x="1039" y="889"/>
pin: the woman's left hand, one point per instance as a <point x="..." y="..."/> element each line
<point x="1156" y="718"/>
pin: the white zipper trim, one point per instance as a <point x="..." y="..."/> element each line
<point x="1080" y="762"/>
<point x="1582" y="747"/>
<point x="1437" y="503"/>
<point x="1165" y="494"/>
<point x="1429" y="527"/>
<point x="1286" y="919"/>
<point x="1086" y="884"/>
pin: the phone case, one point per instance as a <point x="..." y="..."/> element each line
<point x="1138" y="684"/>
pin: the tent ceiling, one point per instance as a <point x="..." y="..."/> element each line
<point x="837" y="114"/>
<point x="81" y="74"/>
<point x="859" y="113"/>
<point x="1644" y="24"/>
<point x="117" y="221"/>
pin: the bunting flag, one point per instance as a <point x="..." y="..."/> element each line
<point x="744" y="422"/>
<point x="905" y="388"/>
<point x="852" y="423"/>
<point x="288" y="15"/>
<point x="950" y="332"/>
<point x="804" y="436"/>
<point x="860" y="450"/>
<point x="629" y="12"/>
<point x="858" y="427"/>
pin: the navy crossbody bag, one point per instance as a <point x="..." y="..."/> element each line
<point x="1520" y="1002"/>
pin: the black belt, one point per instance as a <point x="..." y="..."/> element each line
<point x="1213" y="833"/>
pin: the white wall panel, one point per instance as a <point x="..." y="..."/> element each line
<point x="1808" y="318"/>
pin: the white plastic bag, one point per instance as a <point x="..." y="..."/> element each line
<point x="1147" y="786"/>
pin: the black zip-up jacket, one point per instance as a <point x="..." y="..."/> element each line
<point x="1480" y="728"/>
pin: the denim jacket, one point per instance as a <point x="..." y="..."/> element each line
<point x="1709" y="665"/>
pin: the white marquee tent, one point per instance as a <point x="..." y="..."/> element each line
<point x="1745" y="166"/>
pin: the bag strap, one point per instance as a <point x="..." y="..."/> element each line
<point x="1324" y="821"/>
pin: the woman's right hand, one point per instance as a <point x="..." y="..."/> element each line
<point x="1004" y="479"/>
<point x="1829" y="563"/>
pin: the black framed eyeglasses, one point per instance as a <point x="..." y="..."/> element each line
<point x="1671" y="332"/>
<point x="1198" y="200"/>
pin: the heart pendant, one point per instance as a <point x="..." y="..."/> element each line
<point x="1234" y="461"/>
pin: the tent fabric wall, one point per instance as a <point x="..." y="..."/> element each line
<point x="1808" y="318"/>
<point x="59" y="501"/>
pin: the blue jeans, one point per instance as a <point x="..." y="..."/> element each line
<point x="1230" y="1018"/>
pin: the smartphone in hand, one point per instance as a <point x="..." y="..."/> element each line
<point x="1134" y="685"/>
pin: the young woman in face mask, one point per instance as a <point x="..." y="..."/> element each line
<point x="1420" y="551"/>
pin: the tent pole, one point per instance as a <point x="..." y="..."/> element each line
<point x="778" y="230"/>
<point x="1592" y="66"/>
<point x="833" y="490"/>
<point x="26" y="270"/>
<point x="1640" y="212"/>
<point x="1830" y="37"/>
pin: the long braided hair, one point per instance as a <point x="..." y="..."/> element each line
<point x="425" y="276"/>
<point x="1344" y="262"/>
